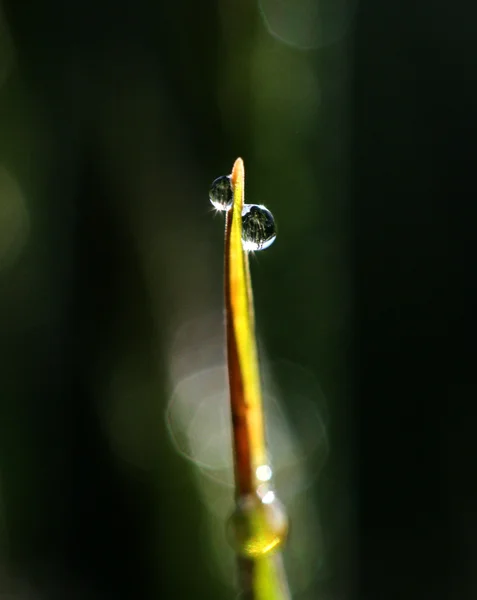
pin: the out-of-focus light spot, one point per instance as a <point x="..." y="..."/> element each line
<point x="6" y="49"/>
<point x="199" y="424"/>
<point x="263" y="473"/>
<point x="198" y="413"/>
<point x="198" y="421"/>
<point x="14" y="219"/>
<point x="307" y="24"/>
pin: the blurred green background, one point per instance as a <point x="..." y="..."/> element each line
<point x="357" y="125"/>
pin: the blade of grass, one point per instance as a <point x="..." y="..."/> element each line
<point x="262" y="577"/>
<point x="244" y="379"/>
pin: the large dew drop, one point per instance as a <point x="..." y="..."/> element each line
<point x="258" y="526"/>
<point x="258" y="227"/>
<point x="221" y="194"/>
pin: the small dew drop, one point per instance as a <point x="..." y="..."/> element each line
<point x="258" y="227"/>
<point x="258" y="526"/>
<point x="221" y="194"/>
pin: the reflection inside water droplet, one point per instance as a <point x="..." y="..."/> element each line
<point x="258" y="227"/>
<point x="221" y="194"/>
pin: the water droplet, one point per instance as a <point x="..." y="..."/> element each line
<point x="221" y="194"/>
<point x="258" y="526"/>
<point x="258" y="227"/>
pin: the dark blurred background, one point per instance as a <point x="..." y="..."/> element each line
<point x="357" y="124"/>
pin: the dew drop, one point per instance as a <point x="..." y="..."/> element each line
<point x="258" y="227"/>
<point x="221" y="194"/>
<point x="258" y="526"/>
